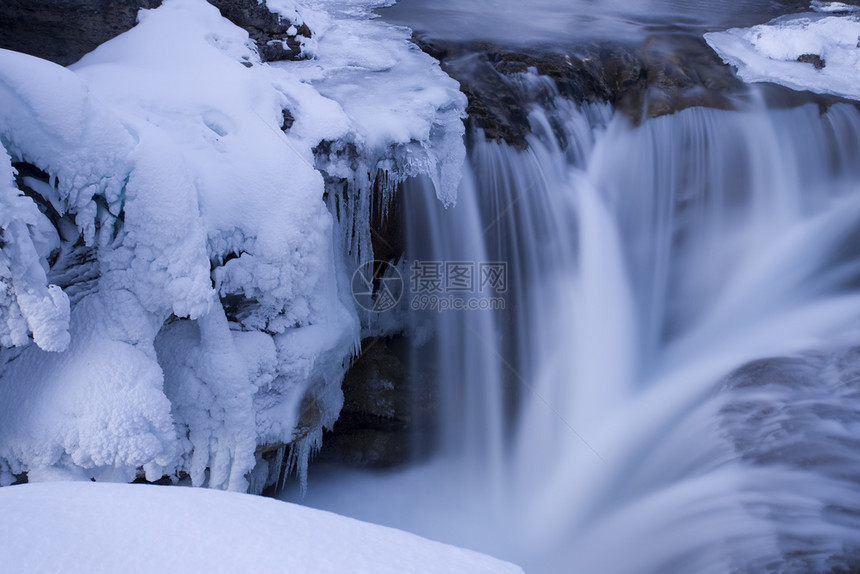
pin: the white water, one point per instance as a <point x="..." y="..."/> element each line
<point x="592" y="426"/>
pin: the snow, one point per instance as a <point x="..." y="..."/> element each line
<point x="98" y="527"/>
<point x="27" y="302"/>
<point x="832" y="7"/>
<point x="769" y="52"/>
<point x="401" y="114"/>
<point x="184" y="282"/>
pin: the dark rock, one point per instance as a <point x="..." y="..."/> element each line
<point x="167" y="480"/>
<point x="288" y="120"/>
<point x="27" y="171"/>
<point x="329" y="152"/>
<point x="268" y="30"/>
<point x="22" y="478"/>
<point x="74" y="265"/>
<point x="386" y="223"/>
<point x="377" y="426"/>
<point x="814" y="59"/>
<point x="344" y="197"/>
<point x="660" y="75"/>
<point x="64" y="30"/>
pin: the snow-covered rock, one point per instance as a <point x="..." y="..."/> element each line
<point x="815" y="52"/>
<point x="27" y="303"/>
<point x="204" y="311"/>
<point x="93" y="528"/>
<point x="832" y="7"/>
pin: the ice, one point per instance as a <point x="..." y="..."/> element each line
<point x="402" y="108"/>
<point x="96" y="528"/>
<point x="832" y="7"/>
<point x="48" y="118"/>
<point x="202" y="284"/>
<point x="27" y="303"/>
<point x="769" y="52"/>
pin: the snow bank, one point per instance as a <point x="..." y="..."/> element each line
<point x="832" y="7"/>
<point x="92" y="528"/>
<point x="184" y="282"/>
<point x="770" y="52"/>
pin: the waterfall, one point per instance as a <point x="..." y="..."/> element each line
<point x="669" y="384"/>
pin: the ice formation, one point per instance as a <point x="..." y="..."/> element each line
<point x="832" y="7"/>
<point x="781" y="51"/>
<point x="29" y="304"/>
<point x="167" y="248"/>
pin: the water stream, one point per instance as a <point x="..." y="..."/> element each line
<point x="672" y="383"/>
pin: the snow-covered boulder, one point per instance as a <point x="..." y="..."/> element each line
<point x="167" y="246"/>
<point x="817" y="52"/>
<point x="64" y="30"/>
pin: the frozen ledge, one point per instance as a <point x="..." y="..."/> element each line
<point x="813" y="52"/>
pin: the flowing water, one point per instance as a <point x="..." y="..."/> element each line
<point x="670" y="380"/>
<point x="672" y="384"/>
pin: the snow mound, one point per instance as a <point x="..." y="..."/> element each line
<point x="92" y="528"/>
<point x="815" y="52"/>
<point x="832" y="7"/>
<point x="167" y="246"/>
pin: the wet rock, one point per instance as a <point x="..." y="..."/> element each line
<point x="345" y="197"/>
<point x="666" y="72"/>
<point x="62" y="31"/>
<point x="814" y="59"/>
<point x="387" y="236"/>
<point x="663" y="74"/>
<point x="288" y="120"/>
<point x="73" y="266"/>
<point x="377" y="427"/>
<point x="276" y="37"/>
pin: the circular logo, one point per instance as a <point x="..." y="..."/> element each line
<point x="377" y="286"/>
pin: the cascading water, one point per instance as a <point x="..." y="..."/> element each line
<point x="671" y="385"/>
